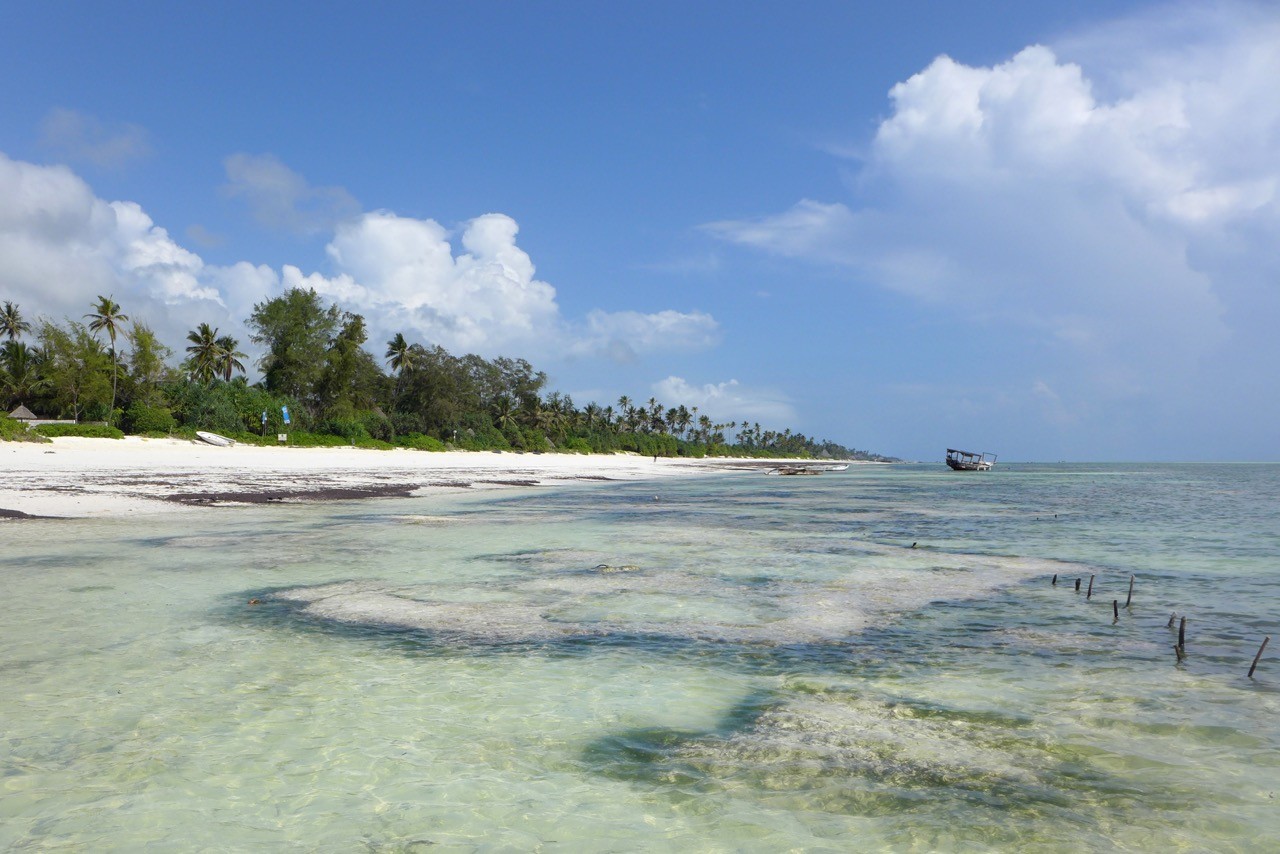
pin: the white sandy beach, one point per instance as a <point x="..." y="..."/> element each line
<point x="116" y="477"/>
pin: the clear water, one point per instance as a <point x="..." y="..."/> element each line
<point x="730" y="663"/>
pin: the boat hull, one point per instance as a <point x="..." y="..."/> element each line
<point x="214" y="439"/>
<point x="956" y="465"/>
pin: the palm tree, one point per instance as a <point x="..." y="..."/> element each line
<point x="107" y="315"/>
<point x="504" y="412"/>
<point x="11" y="322"/>
<point x="228" y="358"/>
<point x="683" y="419"/>
<point x="203" y="363"/>
<point x="400" y="355"/>
<point x="549" y="419"/>
<point x="20" y="371"/>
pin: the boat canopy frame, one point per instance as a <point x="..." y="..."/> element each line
<point x="970" y="460"/>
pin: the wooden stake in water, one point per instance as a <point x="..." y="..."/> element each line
<point x="1258" y="657"/>
<point x="1089" y="595"/>
<point x="1128" y="601"/>
<point x="1077" y="585"/>
<point x="1115" y="609"/>
<point x="1172" y="617"/>
<point x="1181" y="648"/>
<point x="1055" y="579"/>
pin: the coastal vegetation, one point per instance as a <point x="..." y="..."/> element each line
<point x="322" y="386"/>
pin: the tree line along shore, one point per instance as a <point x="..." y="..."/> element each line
<point x="109" y="376"/>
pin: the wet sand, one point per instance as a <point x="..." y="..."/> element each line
<point x="73" y="477"/>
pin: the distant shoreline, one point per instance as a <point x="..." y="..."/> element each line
<point x="77" y="477"/>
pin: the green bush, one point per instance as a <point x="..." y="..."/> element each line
<point x="534" y="440"/>
<point x="420" y="442"/>
<point x="95" y="411"/>
<point x="84" y="431"/>
<point x="10" y="428"/>
<point x="376" y="425"/>
<point x="13" y="430"/>
<point x="350" y="429"/>
<point x="150" y="419"/>
<point x="576" y="444"/>
<point x="233" y="407"/>
<point x="650" y="444"/>
<point x="303" y="439"/>
<point x="483" y="438"/>
<point x="404" y="423"/>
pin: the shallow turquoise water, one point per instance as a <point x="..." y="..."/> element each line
<point x="729" y="663"/>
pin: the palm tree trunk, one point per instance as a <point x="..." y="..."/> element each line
<point x="115" y="375"/>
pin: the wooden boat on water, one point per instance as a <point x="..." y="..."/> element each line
<point x="969" y="461"/>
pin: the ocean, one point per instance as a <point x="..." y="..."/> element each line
<point x="870" y="660"/>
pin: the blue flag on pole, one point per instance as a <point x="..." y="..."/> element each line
<point x="285" y="410"/>
<point x="264" y="418"/>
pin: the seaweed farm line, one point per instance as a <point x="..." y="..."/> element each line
<point x="894" y="655"/>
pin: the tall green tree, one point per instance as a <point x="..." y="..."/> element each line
<point x="11" y="323"/>
<point x="296" y="329"/>
<point x="203" y="359"/>
<point x="228" y="357"/>
<point x="521" y="381"/>
<point x="350" y="379"/>
<point x="439" y="393"/>
<point x="148" y="366"/>
<point x="106" y="315"/>
<point x="20" y="376"/>
<point x="399" y="354"/>
<point x="77" y="368"/>
<point x="504" y="413"/>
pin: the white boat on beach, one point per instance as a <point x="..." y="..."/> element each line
<point x="214" y="439"/>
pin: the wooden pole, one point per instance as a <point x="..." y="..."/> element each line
<point x="1182" y="633"/>
<point x="1077" y="585"/>
<point x="1055" y="579"/>
<point x="1129" y="600"/>
<point x="1180" y="652"/>
<point x="1089" y="595"/>
<point x="1115" y="609"/>
<point x="1172" y="617"/>
<point x="1258" y="657"/>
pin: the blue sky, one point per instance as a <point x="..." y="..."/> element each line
<point x="1044" y="232"/>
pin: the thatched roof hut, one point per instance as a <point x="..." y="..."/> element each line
<point x="23" y="414"/>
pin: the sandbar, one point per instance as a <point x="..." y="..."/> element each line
<point x="77" y="477"/>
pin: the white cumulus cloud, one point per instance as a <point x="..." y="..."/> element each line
<point x="61" y="246"/>
<point x="1112" y="208"/>
<point x="729" y="401"/>
<point x="485" y="297"/>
